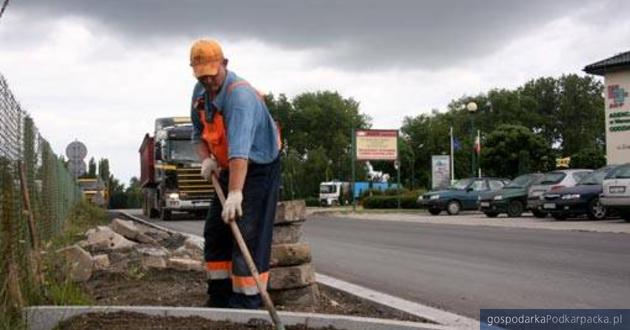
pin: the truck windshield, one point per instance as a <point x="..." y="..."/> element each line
<point x="182" y="150"/>
<point x="327" y="189"/>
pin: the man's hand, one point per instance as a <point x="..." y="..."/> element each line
<point x="208" y="166"/>
<point x="232" y="207"/>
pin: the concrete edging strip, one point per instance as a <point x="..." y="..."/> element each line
<point x="432" y="314"/>
<point x="47" y="317"/>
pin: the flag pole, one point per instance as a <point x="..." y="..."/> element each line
<point x="479" y="152"/>
<point x="452" y="158"/>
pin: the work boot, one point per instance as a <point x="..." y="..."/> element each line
<point x="219" y="292"/>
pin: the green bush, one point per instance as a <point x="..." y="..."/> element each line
<point x="312" y="201"/>
<point x="390" y="202"/>
<point x="370" y="192"/>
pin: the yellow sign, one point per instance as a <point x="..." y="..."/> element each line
<point x="563" y="162"/>
<point x="377" y="145"/>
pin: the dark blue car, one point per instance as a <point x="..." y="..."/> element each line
<point x="580" y="199"/>
<point x="463" y="195"/>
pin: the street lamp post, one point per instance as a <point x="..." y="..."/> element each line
<point x="472" y="108"/>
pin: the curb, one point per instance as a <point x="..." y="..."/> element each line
<point x="440" y="317"/>
<point x="48" y="317"/>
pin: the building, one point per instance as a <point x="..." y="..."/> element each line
<point x="616" y="73"/>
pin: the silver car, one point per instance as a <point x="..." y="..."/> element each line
<point x="616" y="191"/>
<point x="552" y="181"/>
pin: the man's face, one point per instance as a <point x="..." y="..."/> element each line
<point x="213" y="83"/>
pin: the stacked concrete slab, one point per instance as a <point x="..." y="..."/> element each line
<point x="292" y="276"/>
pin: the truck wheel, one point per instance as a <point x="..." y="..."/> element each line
<point x="453" y="207"/>
<point x="515" y="209"/>
<point x="625" y="216"/>
<point x="492" y="214"/>
<point x="539" y="214"/>
<point x="595" y="210"/>
<point x="434" y="211"/>
<point x="165" y="214"/>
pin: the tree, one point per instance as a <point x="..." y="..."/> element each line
<point x="589" y="158"/>
<point x="133" y="194"/>
<point x="316" y="133"/>
<point x="117" y="196"/>
<point x="580" y="115"/>
<point x="103" y="169"/>
<point x="513" y="147"/>
<point x="91" y="168"/>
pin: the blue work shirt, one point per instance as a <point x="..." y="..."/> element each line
<point x="251" y="132"/>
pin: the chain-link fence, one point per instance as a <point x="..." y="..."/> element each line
<point x="36" y="194"/>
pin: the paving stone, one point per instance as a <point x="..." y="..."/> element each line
<point x="291" y="277"/>
<point x="156" y="262"/>
<point x="290" y="211"/>
<point x="290" y="254"/>
<point x="153" y="252"/>
<point x="291" y="233"/>
<point x="79" y="262"/>
<point x="101" y="261"/>
<point x="195" y="247"/>
<point x="104" y="238"/>
<point x="126" y="228"/>
<point x="301" y="297"/>
<point x="185" y="264"/>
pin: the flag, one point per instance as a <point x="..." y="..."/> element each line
<point x="478" y="144"/>
<point x="456" y="144"/>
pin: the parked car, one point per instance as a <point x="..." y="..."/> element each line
<point x="579" y="200"/>
<point x="616" y="191"/>
<point x="511" y="199"/>
<point x="552" y="181"/>
<point x="462" y="195"/>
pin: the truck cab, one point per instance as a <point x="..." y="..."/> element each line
<point x="334" y="193"/>
<point x="170" y="171"/>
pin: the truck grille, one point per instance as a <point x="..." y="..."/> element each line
<point x="192" y="186"/>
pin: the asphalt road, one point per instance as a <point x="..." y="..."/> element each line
<point x="465" y="268"/>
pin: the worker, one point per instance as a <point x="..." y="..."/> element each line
<point x="237" y="138"/>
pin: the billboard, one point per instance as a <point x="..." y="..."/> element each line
<point x="377" y="144"/>
<point x="440" y="171"/>
<point x="617" y="117"/>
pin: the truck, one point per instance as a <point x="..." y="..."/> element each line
<point x="334" y="193"/>
<point x="170" y="171"/>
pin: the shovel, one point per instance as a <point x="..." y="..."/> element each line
<point x="248" y="259"/>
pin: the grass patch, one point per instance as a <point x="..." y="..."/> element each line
<point x="56" y="289"/>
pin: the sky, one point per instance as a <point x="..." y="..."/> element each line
<point x="102" y="71"/>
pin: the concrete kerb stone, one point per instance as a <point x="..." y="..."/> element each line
<point x="438" y="316"/>
<point x="47" y="317"/>
<point x="446" y="320"/>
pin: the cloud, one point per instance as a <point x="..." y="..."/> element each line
<point x="355" y="35"/>
<point x="102" y="71"/>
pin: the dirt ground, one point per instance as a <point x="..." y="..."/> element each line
<point x="188" y="289"/>
<point x="125" y="320"/>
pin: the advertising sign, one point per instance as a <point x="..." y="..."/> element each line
<point x="617" y="117"/>
<point x="377" y="144"/>
<point x="440" y="171"/>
